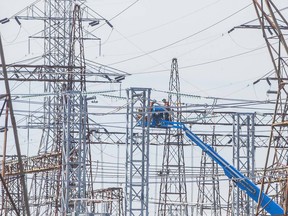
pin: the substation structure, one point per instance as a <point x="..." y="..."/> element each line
<point x="243" y="134"/>
<point x="62" y="176"/>
<point x="58" y="178"/>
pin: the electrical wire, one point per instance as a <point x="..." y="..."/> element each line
<point x="121" y="12"/>
<point x="205" y="97"/>
<point x="140" y="49"/>
<point x="14" y="39"/>
<point x="104" y="94"/>
<point x="204" y="63"/>
<point x="183" y="39"/>
<point x="170" y="22"/>
<point x="183" y="54"/>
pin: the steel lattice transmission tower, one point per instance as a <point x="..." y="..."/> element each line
<point x="173" y="192"/>
<point x="274" y="27"/>
<point x="75" y="125"/>
<point x="66" y="112"/>
<point x="59" y="173"/>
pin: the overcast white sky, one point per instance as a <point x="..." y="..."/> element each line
<point x="150" y="25"/>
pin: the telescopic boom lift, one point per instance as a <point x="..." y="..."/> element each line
<point x="161" y="119"/>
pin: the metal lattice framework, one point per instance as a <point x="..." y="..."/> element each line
<point x="66" y="112"/>
<point x="173" y="191"/>
<point x="274" y="28"/>
<point x="53" y="192"/>
<point x="224" y="119"/>
<point x="137" y="152"/>
<point x="208" y="200"/>
<point x="109" y="201"/>
<point x="45" y="163"/>
<point x="243" y="160"/>
<point x="60" y="181"/>
<point x="75" y="126"/>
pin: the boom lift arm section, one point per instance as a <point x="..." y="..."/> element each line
<point x="230" y="171"/>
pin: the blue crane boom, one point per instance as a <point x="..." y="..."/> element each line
<point x="160" y="120"/>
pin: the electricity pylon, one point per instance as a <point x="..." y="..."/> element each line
<point x="60" y="181"/>
<point x="274" y="28"/>
<point x="173" y="191"/>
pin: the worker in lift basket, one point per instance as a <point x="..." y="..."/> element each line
<point x="139" y="114"/>
<point x="155" y="115"/>
<point x="166" y="106"/>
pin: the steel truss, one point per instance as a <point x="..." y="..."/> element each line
<point x="274" y="28"/>
<point x="209" y="196"/>
<point x="243" y="160"/>
<point x="46" y="162"/>
<point x="60" y="181"/>
<point x="57" y="80"/>
<point x="137" y="152"/>
<point x="261" y="122"/>
<point x="109" y="201"/>
<point x="173" y="191"/>
<point x="42" y="72"/>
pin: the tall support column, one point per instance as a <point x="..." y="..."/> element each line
<point x="74" y="151"/>
<point x="58" y="50"/>
<point x="75" y="130"/>
<point x="65" y="112"/>
<point x="173" y="191"/>
<point x="137" y="152"/>
<point x="243" y="160"/>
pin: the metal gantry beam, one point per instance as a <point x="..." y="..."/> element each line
<point x="262" y="122"/>
<point x="41" y="73"/>
<point x="34" y="164"/>
<point x="137" y="152"/>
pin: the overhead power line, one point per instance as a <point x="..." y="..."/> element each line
<point x="206" y="62"/>
<point x="183" y="39"/>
